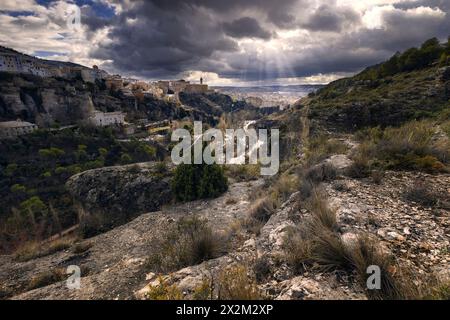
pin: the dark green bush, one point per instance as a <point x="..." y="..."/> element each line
<point x="192" y="182"/>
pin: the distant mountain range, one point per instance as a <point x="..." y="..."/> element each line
<point x="302" y="88"/>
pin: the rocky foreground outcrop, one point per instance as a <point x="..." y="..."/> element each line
<point x="112" y="196"/>
<point x="113" y="266"/>
<point x="116" y="268"/>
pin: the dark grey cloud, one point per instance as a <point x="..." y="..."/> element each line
<point x="444" y="5"/>
<point x="331" y="18"/>
<point x="152" y="41"/>
<point x="161" y="39"/>
<point x="246" y="27"/>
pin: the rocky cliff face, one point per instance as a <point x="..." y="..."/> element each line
<point x="46" y="101"/>
<point x="112" y="196"/>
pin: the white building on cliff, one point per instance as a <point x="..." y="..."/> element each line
<point x="104" y="119"/>
<point x="11" y="129"/>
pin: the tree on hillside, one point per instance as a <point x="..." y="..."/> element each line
<point x="430" y="51"/>
<point x="390" y="67"/>
<point x="198" y="181"/>
<point x="411" y="59"/>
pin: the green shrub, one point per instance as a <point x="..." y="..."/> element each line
<point x="60" y="170"/>
<point x="18" y="188"/>
<point x="47" y="174"/>
<point x="34" y="205"/>
<point x="11" y="169"/>
<point x="125" y="159"/>
<point x="192" y="182"/>
<point x="51" y="153"/>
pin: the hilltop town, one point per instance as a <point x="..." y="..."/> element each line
<point x="13" y="63"/>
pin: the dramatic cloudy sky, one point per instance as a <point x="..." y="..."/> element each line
<point x="225" y="41"/>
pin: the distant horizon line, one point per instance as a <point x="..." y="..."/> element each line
<point x="270" y="85"/>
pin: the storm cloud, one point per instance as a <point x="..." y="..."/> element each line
<point x="238" y="40"/>
<point x="246" y="28"/>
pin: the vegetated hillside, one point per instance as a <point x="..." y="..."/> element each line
<point x="409" y="86"/>
<point x="34" y="169"/>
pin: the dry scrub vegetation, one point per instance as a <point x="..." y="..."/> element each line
<point x="233" y="283"/>
<point x="316" y="244"/>
<point x="267" y="200"/>
<point x="413" y="146"/>
<point x="190" y="241"/>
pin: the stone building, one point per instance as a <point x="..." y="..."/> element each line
<point x="24" y="64"/>
<point x="104" y="119"/>
<point x="114" y="82"/>
<point x="172" y="89"/>
<point x="196" y="88"/>
<point x="11" y="129"/>
<point x="15" y="62"/>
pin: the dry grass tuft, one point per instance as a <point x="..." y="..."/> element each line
<point x="258" y="214"/>
<point x="164" y="291"/>
<point x="34" y="250"/>
<point x="422" y="194"/>
<point x="235" y="283"/>
<point x="47" y="278"/>
<point x="81" y="247"/>
<point x="190" y="241"/>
